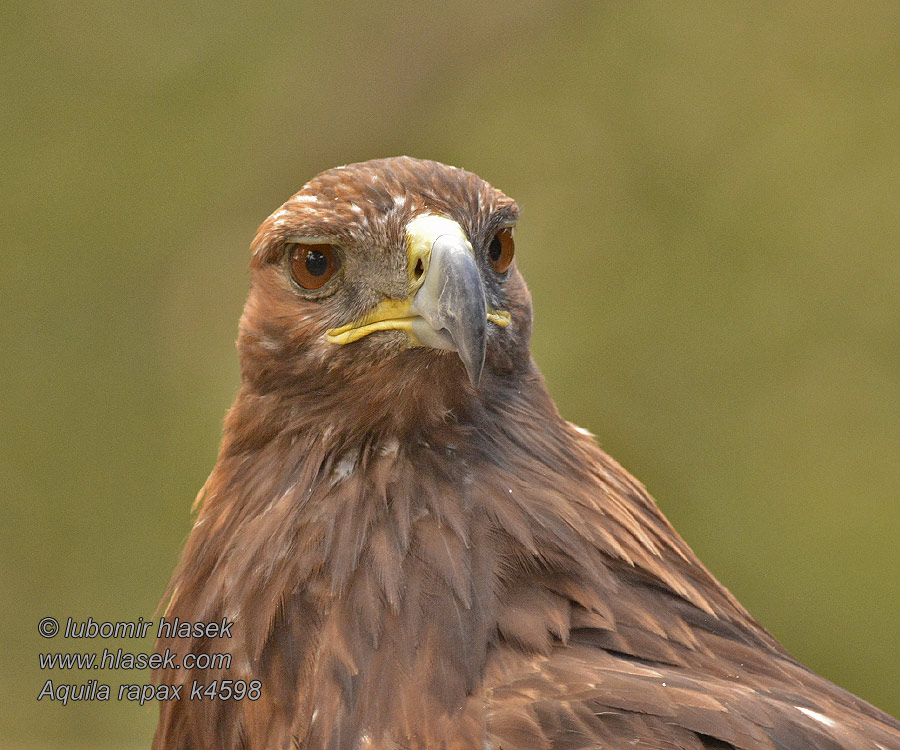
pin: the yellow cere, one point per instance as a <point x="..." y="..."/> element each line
<point x="394" y="314"/>
<point x="421" y="233"/>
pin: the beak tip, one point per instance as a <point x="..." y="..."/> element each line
<point x="472" y="349"/>
<point x="474" y="373"/>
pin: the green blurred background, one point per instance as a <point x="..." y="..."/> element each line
<point x="711" y="216"/>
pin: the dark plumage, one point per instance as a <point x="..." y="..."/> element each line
<point x="421" y="553"/>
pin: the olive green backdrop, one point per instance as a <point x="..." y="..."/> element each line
<point x="711" y="220"/>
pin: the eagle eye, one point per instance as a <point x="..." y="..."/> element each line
<point x="312" y="266"/>
<point x="501" y="250"/>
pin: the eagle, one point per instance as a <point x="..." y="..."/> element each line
<point x="408" y="547"/>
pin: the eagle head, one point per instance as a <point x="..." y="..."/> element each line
<point x="393" y="275"/>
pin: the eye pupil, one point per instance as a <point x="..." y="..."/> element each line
<point x="316" y="263"/>
<point x="495" y="249"/>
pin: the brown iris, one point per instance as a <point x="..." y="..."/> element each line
<point x="313" y="265"/>
<point x="501" y="250"/>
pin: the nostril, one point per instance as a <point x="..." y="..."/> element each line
<point x="419" y="269"/>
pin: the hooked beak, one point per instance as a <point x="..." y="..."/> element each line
<point x="447" y="308"/>
<point x="450" y="305"/>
